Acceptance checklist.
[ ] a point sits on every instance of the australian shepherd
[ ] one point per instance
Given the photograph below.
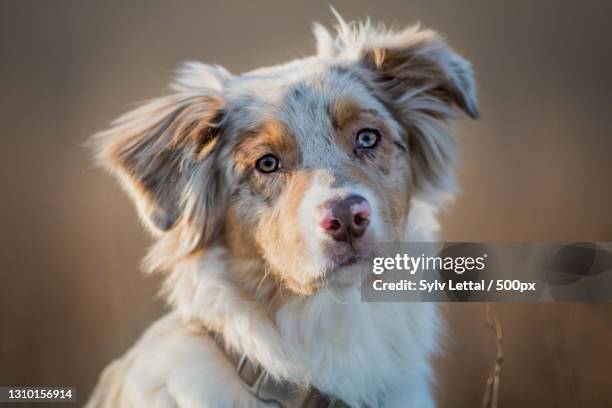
(265, 193)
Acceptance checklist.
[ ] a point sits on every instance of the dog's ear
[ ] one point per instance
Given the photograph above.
(158, 150)
(420, 79)
(417, 62)
(405, 62)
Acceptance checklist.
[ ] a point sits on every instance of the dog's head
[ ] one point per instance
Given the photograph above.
(302, 166)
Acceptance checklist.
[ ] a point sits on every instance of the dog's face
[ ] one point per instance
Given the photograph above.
(301, 166)
(320, 170)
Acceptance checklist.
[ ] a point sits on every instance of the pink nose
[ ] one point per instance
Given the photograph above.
(346, 219)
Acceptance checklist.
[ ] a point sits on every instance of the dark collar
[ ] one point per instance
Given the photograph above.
(283, 394)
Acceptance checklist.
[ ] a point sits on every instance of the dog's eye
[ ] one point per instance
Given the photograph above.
(367, 138)
(267, 164)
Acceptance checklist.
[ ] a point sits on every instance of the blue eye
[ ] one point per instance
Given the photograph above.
(267, 164)
(367, 138)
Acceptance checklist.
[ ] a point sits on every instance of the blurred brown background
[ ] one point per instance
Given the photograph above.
(536, 167)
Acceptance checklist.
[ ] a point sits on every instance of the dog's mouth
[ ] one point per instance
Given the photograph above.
(343, 270)
(345, 258)
(348, 260)
(341, 255)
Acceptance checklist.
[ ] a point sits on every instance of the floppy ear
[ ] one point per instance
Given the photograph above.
(420, 79)
(156, 151)
(418, 62)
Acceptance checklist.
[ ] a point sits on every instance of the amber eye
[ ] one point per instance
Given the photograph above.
(367, 138)
(267, 164)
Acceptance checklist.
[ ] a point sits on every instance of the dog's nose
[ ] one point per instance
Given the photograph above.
(346, 219)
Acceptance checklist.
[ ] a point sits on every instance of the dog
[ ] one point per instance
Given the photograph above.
(265, 193)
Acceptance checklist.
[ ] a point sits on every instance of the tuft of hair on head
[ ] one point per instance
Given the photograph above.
(194, 75)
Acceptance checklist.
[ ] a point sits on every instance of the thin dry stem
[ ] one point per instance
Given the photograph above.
(491, 396)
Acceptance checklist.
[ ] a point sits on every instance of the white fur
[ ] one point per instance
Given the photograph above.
(374, 354)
